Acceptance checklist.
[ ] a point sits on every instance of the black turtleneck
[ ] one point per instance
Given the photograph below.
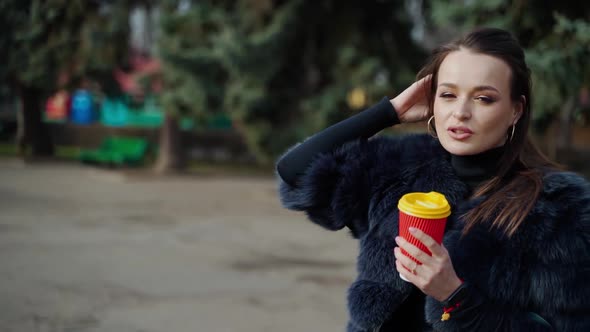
(475, 169)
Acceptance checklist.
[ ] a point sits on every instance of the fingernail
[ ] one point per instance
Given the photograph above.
(397, 239)
(412, 230)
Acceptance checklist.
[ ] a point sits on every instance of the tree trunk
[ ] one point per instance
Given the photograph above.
(170, 154)
(32, 132)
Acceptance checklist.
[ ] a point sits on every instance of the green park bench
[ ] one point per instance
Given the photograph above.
(117, 151)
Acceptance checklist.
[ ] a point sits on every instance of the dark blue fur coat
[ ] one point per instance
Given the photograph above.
(543, 268)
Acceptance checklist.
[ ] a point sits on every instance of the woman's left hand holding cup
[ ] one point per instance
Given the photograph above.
(436, 276)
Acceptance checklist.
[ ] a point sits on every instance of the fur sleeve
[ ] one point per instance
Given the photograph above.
(337, 187)
(334, 190)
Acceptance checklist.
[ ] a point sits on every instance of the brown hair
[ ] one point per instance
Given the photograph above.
(512, 193)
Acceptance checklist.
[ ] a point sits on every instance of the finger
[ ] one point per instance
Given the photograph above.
(405, 273)
(418, 90)
(424, 83)
(413, 251)
(427, 241)
(406, 261)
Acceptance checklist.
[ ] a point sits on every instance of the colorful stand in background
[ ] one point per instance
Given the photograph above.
(57, 107)
(117, 151)
(82, 108)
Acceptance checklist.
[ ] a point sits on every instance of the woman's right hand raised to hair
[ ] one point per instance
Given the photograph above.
(412, 104)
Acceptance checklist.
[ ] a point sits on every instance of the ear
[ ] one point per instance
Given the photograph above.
(518, 109)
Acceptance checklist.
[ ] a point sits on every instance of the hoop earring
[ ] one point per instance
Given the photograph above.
(429, 128)
(512, 135)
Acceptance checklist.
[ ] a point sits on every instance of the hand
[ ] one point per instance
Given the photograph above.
(436, 276)
(412, 105)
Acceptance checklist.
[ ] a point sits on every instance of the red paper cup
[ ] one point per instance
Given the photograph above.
(433, 227)
(425, 211)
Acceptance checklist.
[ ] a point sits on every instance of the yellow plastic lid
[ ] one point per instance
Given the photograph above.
(430, 205)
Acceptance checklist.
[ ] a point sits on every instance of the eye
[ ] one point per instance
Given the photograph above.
(446, 95)
(485, 99)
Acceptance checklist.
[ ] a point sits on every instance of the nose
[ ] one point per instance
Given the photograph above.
(463, 111)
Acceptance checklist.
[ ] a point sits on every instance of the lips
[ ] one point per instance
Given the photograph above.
(460, 133)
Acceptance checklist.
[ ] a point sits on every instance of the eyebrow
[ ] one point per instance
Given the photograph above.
(477, 88)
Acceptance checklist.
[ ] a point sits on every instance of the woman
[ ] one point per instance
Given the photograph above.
(516, 250)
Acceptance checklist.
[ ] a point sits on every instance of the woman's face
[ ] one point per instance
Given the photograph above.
(473, 110)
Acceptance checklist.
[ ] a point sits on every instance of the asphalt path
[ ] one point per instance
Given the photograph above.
(86, 249)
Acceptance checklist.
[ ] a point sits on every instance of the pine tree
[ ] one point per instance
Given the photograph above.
(301, 65)
(44, 48)
(284, 69)
(192, 76)
(36, 49)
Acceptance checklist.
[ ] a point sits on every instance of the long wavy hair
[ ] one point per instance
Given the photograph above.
(511, 193)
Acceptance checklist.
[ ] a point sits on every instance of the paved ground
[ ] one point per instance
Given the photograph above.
(83, 249)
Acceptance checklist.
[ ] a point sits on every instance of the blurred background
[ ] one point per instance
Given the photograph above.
(137, 143)
(239, 81)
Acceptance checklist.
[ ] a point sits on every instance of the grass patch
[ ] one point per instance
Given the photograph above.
(226, 168)
(70, 153)
(65, 152)
(8, 149)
